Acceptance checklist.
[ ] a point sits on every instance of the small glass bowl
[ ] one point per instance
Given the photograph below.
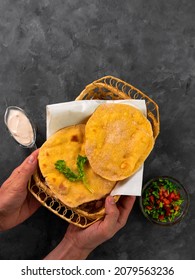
(32, 144)
(182, 208)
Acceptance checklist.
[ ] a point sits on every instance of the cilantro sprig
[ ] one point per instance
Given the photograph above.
(61, 166)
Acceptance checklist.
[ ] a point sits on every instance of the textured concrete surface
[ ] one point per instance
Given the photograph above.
(51, 49)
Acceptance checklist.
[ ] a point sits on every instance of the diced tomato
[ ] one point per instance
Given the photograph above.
(177, 196)
(161, 217)
(161, 191)
(149, 207)
(166, 194)
(172, 195)
(176, 207)
(168, 212)
(161, 198)
(151, 198)
(166, 201)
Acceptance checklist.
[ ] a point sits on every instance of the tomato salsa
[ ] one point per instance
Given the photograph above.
(162, 200)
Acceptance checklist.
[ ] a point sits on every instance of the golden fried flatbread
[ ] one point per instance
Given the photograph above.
(67, 144)
(118, 139)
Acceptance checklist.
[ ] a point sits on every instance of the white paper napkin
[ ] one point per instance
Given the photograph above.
(70, 113)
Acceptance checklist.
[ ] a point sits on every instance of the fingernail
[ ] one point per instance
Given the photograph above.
(111, 200)
(31, 159)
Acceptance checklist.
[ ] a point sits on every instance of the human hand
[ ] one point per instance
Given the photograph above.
(78, 243)
(16, 203)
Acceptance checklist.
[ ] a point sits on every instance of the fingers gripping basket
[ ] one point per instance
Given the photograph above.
(106, 88)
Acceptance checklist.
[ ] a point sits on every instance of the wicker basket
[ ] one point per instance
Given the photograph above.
(106, 88)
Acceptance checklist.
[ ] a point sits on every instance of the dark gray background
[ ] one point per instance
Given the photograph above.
(51, 49)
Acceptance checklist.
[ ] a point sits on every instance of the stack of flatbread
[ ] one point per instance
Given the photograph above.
(115, 141)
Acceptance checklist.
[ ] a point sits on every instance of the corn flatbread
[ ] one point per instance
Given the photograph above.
(118, 139)
(67, 144)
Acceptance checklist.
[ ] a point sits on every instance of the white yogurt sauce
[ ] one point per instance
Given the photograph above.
(20, 127)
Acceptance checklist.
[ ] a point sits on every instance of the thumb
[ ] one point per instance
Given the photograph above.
(23, 172)
(112, 214)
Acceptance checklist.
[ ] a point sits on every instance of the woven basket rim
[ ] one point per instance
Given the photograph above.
(49, 201)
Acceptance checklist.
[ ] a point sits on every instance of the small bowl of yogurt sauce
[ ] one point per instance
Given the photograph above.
(20, 127)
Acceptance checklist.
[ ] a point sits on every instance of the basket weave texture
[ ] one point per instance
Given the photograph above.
(106, 88)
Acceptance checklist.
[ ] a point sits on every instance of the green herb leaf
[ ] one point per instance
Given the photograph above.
(80, 165)
(61, 166)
